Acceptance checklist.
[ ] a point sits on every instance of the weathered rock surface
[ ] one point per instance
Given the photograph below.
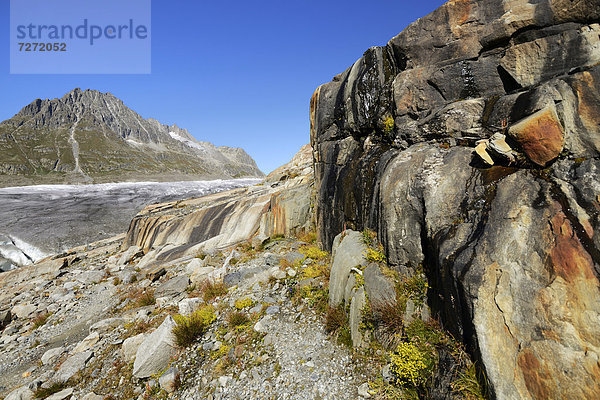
(169, 381)
(511, 252)
(279, 206)
(348, 252)
(131, 345)
(72, 366)
(154, 354)
(380, 290)
(22, 393)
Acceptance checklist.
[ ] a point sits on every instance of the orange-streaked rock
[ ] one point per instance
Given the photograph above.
(540, 135)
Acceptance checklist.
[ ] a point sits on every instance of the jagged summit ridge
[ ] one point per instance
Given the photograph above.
(94, 135)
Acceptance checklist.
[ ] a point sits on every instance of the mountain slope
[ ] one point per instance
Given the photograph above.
(89, 136)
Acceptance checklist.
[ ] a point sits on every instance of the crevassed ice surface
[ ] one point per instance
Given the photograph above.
(47, 219)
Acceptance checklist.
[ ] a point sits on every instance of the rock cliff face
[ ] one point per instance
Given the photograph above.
(507, 235)
(88, 136)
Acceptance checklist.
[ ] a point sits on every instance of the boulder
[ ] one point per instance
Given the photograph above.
(172, 287)
(188, 306)
(89, 277)
(380, 289)
(92, 396)
(87, 343)
(72, 366)
(355, 316)
(155, 352)
(348, 252)
(22, 393)
(5, 318)
(293, 257)
(201, 274)
(51, 355)
(131, 345)
(63, 394)
(169, 381)
(23, 311)
(156, 274)
(541, 135)
(130, 255)
(107, 325)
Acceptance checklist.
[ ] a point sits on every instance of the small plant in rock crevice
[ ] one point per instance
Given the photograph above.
(375, 255)
(388, 124)
(335, 319)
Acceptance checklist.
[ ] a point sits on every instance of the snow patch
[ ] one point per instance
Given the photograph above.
(187, 142)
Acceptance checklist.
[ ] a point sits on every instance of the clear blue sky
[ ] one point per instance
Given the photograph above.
(235, 73)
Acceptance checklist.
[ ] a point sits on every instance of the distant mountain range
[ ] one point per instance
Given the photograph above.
(92, 137)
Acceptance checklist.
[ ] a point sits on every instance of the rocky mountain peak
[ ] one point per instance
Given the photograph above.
(110, 137)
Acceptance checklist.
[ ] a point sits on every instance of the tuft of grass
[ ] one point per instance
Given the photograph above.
(307, 236)
(237, 319)
(388, 316)
(55, 387)
(41, 320)
(146, 298)
(188, 328)
(335, 319)
(210, 290)
(468, 385)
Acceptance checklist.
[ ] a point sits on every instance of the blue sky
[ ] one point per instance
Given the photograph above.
(235, 73)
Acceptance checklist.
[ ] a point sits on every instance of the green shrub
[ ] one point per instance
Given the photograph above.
(375, 255)
(388, 124)
(188, 328)
(314, 252)
(410, 365)
(315, 270)
(369, 237)
(240, 304)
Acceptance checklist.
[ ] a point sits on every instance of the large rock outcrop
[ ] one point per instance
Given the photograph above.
(281, 205)
(511, 251)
